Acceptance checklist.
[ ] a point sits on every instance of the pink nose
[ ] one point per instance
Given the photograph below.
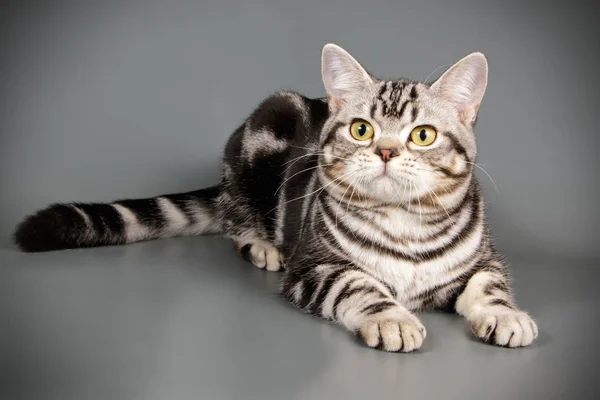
(386, 154)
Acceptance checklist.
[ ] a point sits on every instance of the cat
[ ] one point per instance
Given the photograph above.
(366, 199)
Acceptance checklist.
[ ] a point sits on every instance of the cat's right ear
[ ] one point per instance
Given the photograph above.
(343, 76)
(463, 85)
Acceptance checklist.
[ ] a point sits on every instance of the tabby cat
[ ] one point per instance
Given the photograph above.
(366, 199)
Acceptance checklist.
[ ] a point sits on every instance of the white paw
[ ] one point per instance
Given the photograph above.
(262, 254)
(504, 327)
(405, 333)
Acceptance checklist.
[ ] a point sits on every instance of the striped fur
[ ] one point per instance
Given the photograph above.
(366, 236)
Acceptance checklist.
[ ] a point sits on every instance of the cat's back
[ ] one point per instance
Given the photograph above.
(263, 161)
(283, 121)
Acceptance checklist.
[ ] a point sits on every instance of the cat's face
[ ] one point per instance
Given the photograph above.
(399, 141)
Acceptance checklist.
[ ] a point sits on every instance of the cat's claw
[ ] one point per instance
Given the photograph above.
(508, 328)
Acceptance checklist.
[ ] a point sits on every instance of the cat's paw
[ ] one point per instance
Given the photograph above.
(262, 255)
(504, 327)
(405, 333)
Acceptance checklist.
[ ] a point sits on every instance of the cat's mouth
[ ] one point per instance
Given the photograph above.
(393, 181)
(403, 176)
(386, 171)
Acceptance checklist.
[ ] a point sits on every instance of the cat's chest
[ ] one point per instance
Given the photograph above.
(413, 279)
(386, 246)
(409, 279)
(391, 264)
(402, 250)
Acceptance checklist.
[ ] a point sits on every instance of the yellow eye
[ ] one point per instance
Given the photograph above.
(361, 130)
(423, 135)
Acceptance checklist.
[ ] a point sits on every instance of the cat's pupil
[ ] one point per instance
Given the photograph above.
(362, 129)
(423, 134)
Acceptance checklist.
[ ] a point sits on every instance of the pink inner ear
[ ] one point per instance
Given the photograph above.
(334, 101)
(464, 85)
(468, 115)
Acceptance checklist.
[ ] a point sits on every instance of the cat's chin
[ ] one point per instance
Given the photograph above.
(390, 189)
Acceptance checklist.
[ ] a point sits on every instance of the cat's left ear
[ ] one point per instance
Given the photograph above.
(343, 76)
(464, 85)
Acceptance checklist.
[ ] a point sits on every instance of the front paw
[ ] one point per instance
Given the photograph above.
(404, 333)
(504, 327)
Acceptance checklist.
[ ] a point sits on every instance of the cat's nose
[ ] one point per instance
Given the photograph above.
(387, 153)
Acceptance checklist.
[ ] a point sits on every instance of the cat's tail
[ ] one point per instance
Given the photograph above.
(66, 226)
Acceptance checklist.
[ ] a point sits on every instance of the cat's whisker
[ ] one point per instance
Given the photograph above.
(403, 196)
(437, 224)
(409, 195)
(366, 197)
(340, 158)
(425, 152)
(293, 160)
(340, 203)
(305, 148)
(434, 71)
(440, 202)
(299, 172)
(360, 181)
(318, 151)
(352, 194)
(428, 170)
(313, 192)
(397, 192)
(394, 196)
(340, 181)
(414, 228)
(358, 192)
(420, 211)
(485, 172)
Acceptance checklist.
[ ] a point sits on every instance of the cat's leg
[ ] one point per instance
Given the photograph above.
(487, 304)
(356, 300)
(259, 252)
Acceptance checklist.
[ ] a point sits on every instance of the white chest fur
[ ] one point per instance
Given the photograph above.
(407, 277)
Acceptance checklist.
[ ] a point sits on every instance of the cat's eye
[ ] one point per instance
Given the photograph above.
(361, 130)
(423, 135)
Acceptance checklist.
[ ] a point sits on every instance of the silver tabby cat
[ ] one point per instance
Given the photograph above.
(367, 199)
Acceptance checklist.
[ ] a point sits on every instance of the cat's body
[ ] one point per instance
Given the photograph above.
(369, 220)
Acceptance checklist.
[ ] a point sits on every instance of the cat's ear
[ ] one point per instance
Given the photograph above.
(464, 85)
(343, 76)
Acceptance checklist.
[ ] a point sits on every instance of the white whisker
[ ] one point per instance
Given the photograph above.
(299, 172)
(485, 172)
(441, 204)
(420, 211)
(433, 72)
(360, 179)
(293, 160)
(313, 192)
(304, 148)
(340, 203)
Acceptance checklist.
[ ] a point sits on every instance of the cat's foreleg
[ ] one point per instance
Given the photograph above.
(358, 301)
(488, 306)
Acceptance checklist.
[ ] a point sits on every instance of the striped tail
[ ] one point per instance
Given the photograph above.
(67, 226)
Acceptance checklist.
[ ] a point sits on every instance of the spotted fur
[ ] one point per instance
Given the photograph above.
(368, 231)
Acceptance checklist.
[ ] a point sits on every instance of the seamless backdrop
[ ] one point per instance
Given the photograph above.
(124, 98)
(128, 98)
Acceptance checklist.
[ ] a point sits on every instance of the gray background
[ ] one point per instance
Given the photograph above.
(112, 99)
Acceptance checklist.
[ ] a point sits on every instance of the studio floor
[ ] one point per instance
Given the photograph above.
(187, 318)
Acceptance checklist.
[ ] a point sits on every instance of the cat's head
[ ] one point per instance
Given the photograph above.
(398, 141)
